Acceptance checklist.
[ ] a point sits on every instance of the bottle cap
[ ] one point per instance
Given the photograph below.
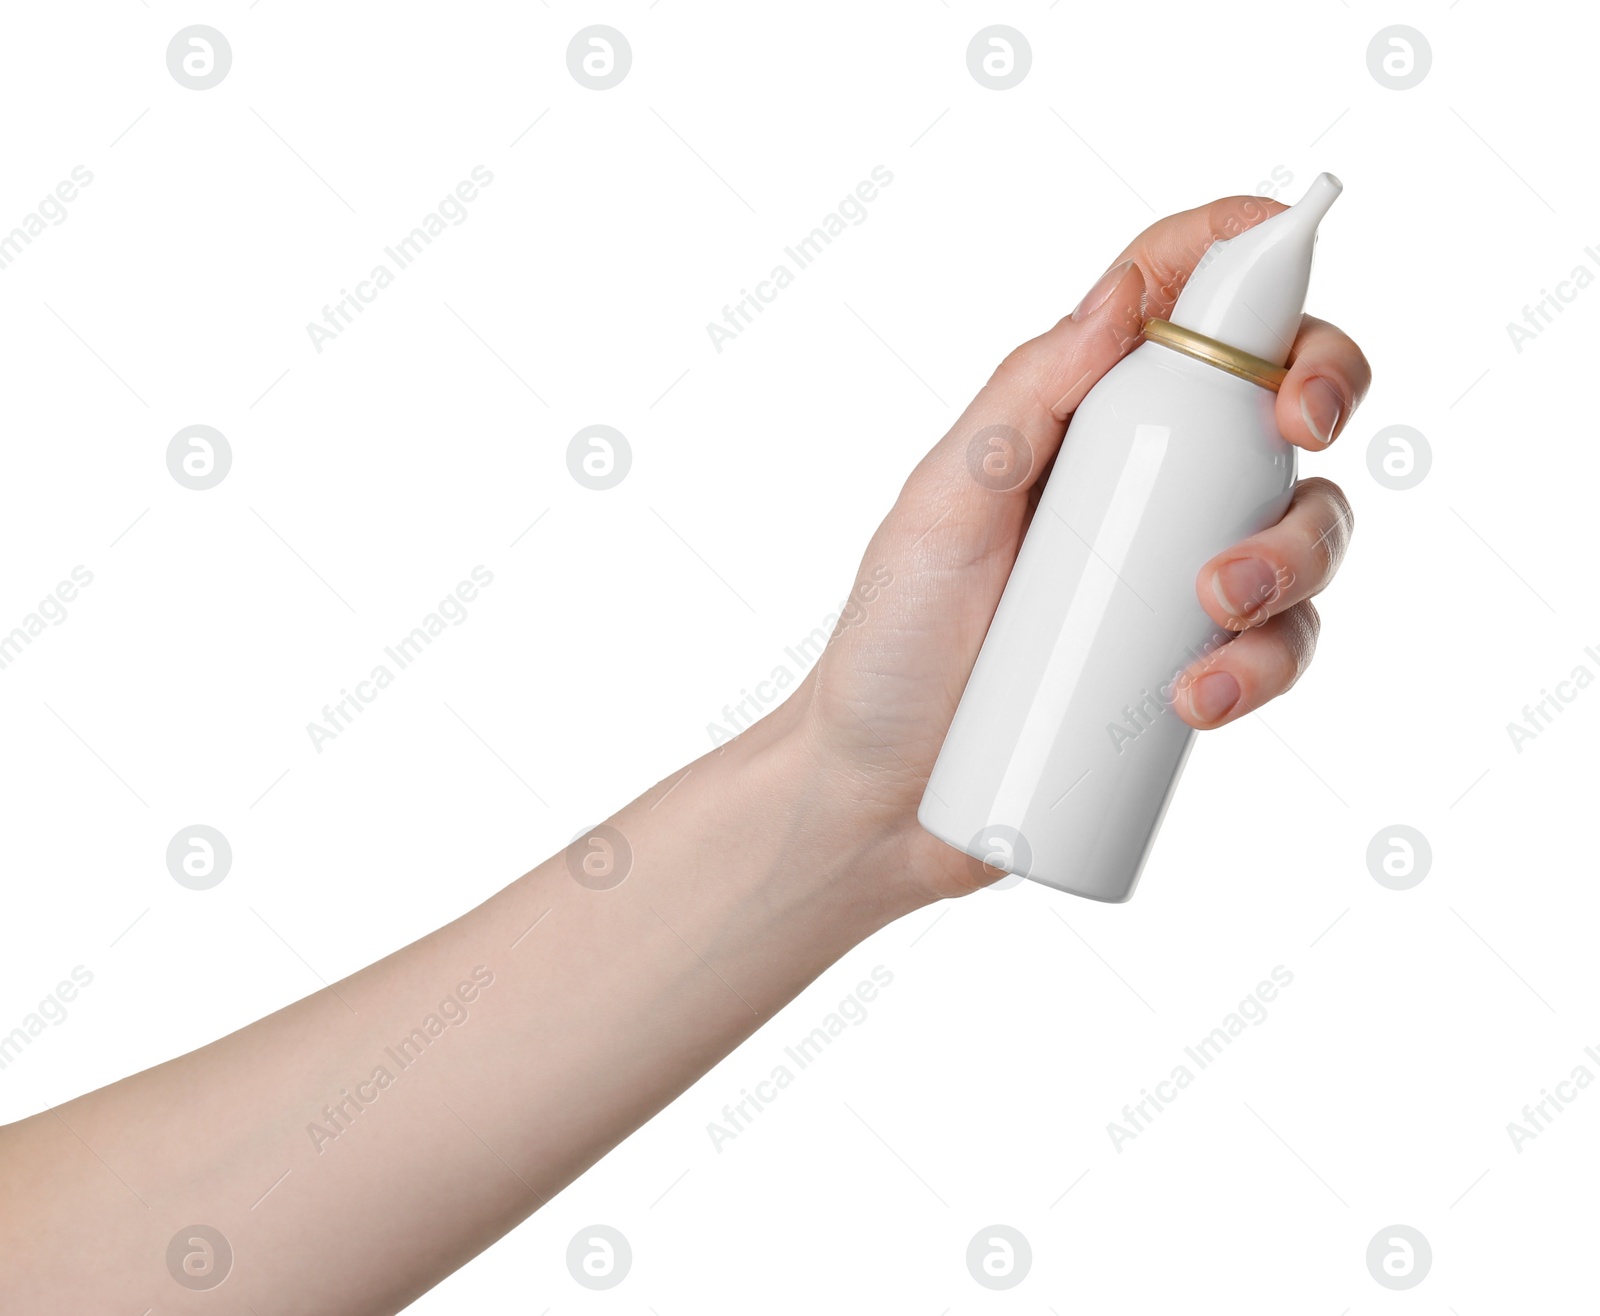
(1249, 291)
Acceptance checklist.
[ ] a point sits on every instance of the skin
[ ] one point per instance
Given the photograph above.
(582, 1011)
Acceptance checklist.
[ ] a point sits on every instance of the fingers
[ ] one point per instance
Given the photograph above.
(1009, 433)
(1243, 675)
(1271, 573)
(1328, 377)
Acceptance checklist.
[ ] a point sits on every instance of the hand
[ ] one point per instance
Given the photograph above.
(874, 711)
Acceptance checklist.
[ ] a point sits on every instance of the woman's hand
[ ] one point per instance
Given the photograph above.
(727, 888)
(875, 710)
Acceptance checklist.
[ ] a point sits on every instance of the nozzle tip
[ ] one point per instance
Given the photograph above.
(1322, 193)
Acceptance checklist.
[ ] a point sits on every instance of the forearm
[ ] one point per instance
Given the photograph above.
(397, 1154)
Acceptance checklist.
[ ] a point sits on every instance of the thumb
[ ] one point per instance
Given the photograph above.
(1003, 442)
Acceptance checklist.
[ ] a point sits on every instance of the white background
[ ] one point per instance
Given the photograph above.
(369, 479)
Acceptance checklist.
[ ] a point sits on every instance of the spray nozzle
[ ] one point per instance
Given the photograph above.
(1249, 291)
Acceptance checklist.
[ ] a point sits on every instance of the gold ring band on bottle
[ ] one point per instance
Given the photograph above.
(1209, 350)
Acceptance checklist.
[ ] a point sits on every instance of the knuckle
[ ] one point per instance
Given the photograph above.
(1286, 650)
(1302, 628)
(1360, 377)
(1323, 536)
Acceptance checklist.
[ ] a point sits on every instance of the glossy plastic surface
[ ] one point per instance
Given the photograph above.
(1064, 751)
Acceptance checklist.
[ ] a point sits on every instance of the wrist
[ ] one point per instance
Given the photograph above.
(828, 834)
(755, 864)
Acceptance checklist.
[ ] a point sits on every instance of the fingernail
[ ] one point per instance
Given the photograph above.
(1212, 696)
(1321, 406)
(1095, 298)
(1242, 587)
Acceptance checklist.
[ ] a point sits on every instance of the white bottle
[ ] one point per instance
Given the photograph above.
(1065, 751)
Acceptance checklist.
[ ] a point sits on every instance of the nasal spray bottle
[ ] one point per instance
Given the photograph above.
(1065, 749)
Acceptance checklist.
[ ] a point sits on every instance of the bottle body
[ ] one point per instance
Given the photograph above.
(1064, 751)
